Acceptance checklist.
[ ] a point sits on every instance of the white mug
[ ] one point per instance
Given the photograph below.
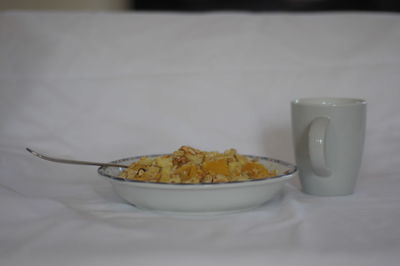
(328, 137)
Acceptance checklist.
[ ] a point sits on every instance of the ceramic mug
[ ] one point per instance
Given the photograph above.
(328, 137)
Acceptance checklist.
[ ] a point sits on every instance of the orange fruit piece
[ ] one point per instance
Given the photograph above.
(219, 166)
(255, 170)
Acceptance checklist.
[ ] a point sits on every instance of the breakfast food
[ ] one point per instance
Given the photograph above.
(192, 166)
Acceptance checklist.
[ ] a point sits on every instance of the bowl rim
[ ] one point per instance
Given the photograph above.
(286, 175)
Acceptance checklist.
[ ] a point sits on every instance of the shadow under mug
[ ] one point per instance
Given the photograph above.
(328, 137)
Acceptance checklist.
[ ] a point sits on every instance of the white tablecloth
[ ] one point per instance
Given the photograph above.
(98, 86)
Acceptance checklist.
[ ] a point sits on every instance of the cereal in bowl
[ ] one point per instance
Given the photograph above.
(192, 166)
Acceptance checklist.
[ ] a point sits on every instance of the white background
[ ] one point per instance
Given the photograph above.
(98, 86)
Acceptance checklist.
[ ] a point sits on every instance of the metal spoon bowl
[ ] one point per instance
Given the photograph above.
(61, 160)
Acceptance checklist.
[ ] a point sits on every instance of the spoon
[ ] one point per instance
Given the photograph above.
(60, 160)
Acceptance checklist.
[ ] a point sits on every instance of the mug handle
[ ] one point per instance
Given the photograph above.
(316, 146)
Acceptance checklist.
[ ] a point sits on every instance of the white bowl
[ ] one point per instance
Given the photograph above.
(200, 198)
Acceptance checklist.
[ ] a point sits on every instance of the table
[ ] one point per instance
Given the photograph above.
(103, 86)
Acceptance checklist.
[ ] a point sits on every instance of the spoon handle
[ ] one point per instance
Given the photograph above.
(60, 160)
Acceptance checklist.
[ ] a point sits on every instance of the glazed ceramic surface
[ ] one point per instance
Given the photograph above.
(200, 198)
(328, 137)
